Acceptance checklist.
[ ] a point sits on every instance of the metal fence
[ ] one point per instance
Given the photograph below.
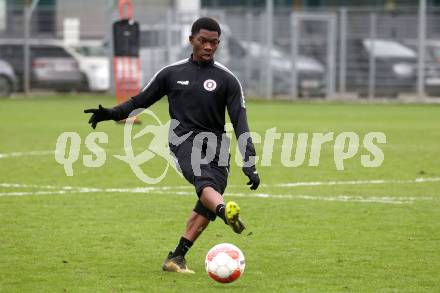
(277, 53)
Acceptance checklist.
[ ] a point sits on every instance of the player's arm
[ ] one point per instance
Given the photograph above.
(237, 114)
(153, 92)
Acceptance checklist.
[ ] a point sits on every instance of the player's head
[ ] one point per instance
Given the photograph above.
(205, 37)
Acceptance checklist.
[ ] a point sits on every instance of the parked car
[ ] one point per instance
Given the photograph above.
(310, 71)
(432, 75)
(93, 63)
(395, 63)
(432, 65)
(52, 67)
(246, 60)
(8, 79)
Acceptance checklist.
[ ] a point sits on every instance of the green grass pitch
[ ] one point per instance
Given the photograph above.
(367, 236)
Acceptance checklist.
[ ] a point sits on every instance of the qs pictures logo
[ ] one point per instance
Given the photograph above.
(292, 148)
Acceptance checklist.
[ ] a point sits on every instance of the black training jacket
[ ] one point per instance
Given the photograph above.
(198, 96)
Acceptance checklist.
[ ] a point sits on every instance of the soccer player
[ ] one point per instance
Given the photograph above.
(200, 91)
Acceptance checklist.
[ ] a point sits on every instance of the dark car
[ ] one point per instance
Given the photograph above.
(395, 73)
(8, 80)
(52, 67)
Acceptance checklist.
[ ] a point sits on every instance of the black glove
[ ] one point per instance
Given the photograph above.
(100, 114)
(252, 174)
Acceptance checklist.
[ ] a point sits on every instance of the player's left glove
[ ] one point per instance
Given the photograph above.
(252, 174)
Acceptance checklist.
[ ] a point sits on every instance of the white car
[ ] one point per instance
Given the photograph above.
(8, 79)
(94, 64)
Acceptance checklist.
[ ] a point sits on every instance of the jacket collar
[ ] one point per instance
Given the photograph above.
(201, 63)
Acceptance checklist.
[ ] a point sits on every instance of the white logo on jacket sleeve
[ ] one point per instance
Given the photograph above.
(209, 85)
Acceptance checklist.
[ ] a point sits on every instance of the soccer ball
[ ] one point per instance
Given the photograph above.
(224, 263)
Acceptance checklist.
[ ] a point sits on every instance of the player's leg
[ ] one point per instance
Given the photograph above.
(210, 185)
(175, 262)
(210, 198)
(195, 225)
(197, 221)
(230, 213)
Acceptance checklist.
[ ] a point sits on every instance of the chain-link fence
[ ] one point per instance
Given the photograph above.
(284, 53)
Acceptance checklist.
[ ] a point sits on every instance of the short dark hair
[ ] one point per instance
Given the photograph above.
(206, 23)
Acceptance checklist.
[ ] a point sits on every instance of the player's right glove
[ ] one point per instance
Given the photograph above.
(100, 114)
(252, 174)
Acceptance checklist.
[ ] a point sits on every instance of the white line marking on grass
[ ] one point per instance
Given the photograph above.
(339, 198)
(21, 154)
(34, 193)
(18, 185)
(47, 152)
(357, 182)
(95, 189)
(291, 184)
(343, 198)
(177, 190)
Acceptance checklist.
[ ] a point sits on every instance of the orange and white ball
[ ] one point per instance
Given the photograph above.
(225, 263)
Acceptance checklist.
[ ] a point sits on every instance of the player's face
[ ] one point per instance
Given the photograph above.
(204, 44)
